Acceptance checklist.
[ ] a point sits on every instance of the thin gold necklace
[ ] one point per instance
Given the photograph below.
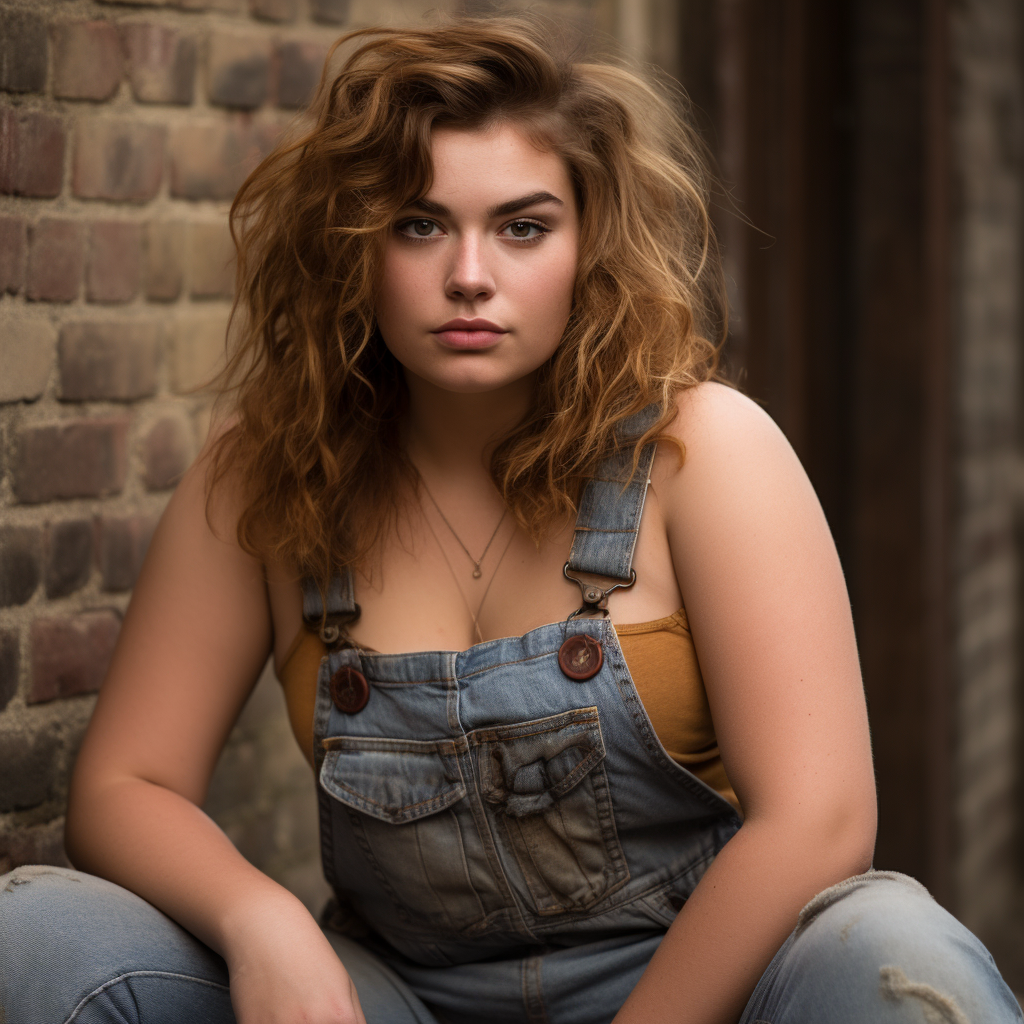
(477, 571)
(458, 585)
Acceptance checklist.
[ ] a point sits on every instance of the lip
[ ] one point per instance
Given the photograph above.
(469, 335)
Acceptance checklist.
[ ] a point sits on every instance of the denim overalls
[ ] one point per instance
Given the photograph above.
(503, 802)
(508, 842)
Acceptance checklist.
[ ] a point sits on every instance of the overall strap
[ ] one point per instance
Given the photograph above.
(611, 507)
(341, 606)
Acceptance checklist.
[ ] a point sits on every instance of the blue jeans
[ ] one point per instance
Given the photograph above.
(875, 948)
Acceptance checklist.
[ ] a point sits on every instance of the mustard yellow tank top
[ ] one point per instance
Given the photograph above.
(661, 660)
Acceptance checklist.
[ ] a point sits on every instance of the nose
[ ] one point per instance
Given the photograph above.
(469, 276)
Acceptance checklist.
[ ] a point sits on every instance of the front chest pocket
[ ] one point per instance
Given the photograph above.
(402, 802)
(546, 790)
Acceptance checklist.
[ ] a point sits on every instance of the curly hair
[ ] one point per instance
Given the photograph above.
(319, 399)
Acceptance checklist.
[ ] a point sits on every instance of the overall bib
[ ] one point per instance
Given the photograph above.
(511, 801)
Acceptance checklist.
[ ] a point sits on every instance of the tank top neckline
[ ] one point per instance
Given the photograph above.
(625, 628)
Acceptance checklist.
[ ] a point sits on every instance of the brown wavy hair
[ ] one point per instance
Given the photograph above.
(319, 399)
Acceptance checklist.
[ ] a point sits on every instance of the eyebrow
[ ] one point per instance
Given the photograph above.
(501, 210)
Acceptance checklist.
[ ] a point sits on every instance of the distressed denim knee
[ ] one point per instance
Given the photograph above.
(877, 947)
(74, 947)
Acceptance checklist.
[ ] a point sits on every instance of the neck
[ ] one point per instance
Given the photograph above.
(454, 434)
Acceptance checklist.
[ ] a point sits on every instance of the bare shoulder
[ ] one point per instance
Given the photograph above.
(730, 446)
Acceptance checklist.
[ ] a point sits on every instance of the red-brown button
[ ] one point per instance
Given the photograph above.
(580, 657)
(349, 690)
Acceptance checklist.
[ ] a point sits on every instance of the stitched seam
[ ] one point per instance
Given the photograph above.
(139, 974)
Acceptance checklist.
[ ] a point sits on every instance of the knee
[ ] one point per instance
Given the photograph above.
(884, 933)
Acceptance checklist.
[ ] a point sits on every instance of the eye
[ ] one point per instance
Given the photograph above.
(525, 230)
(421, 227)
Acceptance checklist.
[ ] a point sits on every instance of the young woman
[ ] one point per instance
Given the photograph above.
(478, 468)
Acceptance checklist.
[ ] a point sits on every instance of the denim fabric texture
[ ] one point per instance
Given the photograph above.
(505, 843)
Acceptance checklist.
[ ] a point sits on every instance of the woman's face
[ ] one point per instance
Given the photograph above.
(478, 275)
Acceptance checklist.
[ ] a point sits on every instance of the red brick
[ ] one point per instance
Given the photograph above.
(20, 563)
(87, 60)
(73, 459)
(56, 259)
(332, 12)
(274, 10)
(31, 154)
(211, 261)
(165, 252)
(210, 161)
(166, 453)
(13, 246)
(298, 71)
(10, 665)
(123, 545)
(161, 63)
(108, 360)
(68, 557)
(23, 52)
(118, 159)
(115, 261)
(28, 766)
(27, 346)
(71, 655)
(239, 70)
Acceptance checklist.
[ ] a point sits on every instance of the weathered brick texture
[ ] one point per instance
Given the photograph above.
(26, 356)
(76, 459)
(239, 70)
(298, 72)
(198, 349)
(166, 452)
(69, 559)
(31, 153)
(115, 261)
(56, 260)
(87, 60)
(109, 360)
(275, 10)
(13, 246)
(20, 563)
(332, 12)
(23, 51)
(122, 547)
(71, 654)
(126, 128)
(165, 253)
(211, 261)
(28, 766)
(161, 63)
(210, 160)
(10, 664)
(118, 159)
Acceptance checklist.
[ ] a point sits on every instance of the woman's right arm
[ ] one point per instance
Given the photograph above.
(194, 639)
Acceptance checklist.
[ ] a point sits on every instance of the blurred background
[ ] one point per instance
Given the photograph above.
(872, 218)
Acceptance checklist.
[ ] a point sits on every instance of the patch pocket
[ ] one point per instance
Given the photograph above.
(545, 785)
(401, 802)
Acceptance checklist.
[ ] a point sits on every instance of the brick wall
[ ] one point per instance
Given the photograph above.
(125, 129)
(988, 272)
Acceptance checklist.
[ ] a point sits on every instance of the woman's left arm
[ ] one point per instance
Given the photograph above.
(768, 608)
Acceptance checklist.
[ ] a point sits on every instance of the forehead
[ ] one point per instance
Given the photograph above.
(494, 163)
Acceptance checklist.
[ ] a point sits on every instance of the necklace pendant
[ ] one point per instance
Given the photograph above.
(477, 572)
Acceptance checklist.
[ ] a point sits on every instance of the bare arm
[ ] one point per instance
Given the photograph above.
(767, 604)
(195, 637)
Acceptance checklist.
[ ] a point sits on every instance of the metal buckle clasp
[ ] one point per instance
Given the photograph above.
(595, 598)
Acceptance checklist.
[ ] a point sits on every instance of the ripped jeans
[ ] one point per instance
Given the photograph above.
(875, 949)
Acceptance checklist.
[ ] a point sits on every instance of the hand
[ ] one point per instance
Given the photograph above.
(284, 971)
